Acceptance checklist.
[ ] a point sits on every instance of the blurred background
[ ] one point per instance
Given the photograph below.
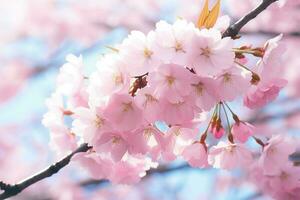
(35, 37)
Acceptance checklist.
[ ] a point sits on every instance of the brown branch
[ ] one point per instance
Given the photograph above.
(12, 190)
(235, 28)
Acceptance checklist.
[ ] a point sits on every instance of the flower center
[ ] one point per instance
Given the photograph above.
(177, 131)
(205, 52)
(227, 77)
(127, 106)
(148, 133)
(198, 88)
(178, 47)
(99, 121)
(170, 80)
(284, 176)
(147, 53)
(116, 140)
(118, 79)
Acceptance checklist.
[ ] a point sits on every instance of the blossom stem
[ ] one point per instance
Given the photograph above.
(258, 141)
(204, 135)
(244, 67)
(230, 136)
(243, 51)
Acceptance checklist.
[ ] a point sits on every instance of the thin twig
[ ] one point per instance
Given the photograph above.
(235, 28)
(12, 190)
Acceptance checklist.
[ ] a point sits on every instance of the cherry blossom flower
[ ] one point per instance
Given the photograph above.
(276, 154)
(138, 52)
(113, 143)
(218, 132)
(70, 77)
(122, 111)
(174, 40)
(149, 102)
(171, 82)
(242, 131)
(177, 113)
(114, 78)
(89, 123)
(62, 140)
(196, 155)
(204, 92)
(97, 166)
(210, 54)
(232, 83)
(269, 69)
(229, 156)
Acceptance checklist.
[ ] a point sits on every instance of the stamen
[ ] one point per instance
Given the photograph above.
(206, 52)
(127, 106)
(170, 80)
(147, 53)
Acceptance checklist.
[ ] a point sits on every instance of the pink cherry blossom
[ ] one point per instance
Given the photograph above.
(61, 138)
(242, 131)
(112, 143)
(269, 69)
(287, 179)
(131, 169)
(174, 40)
(218, 132)
(173, 142)
(70, 77)
(89, 123)
(122, 111)
(97, 167)
(139, 54)
(196, 155)
(232, 83)
(171, 82)
(181, 112)
(149, 102)
(204, 92)
(276, 154)
(112, 72)
(229, 156)
(210, 54)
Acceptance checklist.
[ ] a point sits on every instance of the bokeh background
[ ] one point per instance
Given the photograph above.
(35, 37)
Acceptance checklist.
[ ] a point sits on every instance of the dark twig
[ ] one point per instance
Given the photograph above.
(12, 190)
(235, 28)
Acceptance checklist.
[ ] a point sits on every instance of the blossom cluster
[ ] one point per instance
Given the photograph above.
(146, 100)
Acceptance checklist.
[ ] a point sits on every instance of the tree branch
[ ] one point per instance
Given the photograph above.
(235, 28)
(12, 190)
